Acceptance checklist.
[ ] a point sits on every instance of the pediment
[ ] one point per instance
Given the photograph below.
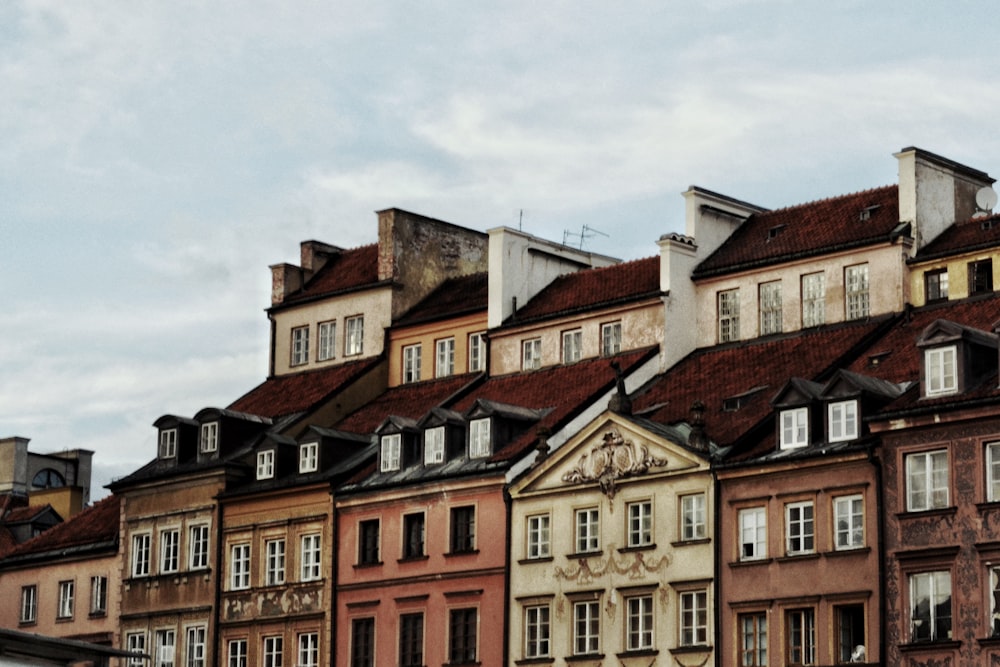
(797, 392)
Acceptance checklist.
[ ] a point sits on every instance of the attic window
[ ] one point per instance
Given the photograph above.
(308, 457)
(265, 464)
(434, 445)
(866, 213)
(986, 224)
(479, 438)
(734, 403)
(875, 359)
(209, 437)
(794, 428)
(168, 443)
(774, 231)
(842, 420)
(940, 370)
(390, 452)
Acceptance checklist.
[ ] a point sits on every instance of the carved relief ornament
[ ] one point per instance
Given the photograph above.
(613, 459)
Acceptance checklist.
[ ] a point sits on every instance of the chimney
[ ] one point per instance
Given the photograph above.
(697, 438)
(314, 255)
(620, 402)
(285, 279)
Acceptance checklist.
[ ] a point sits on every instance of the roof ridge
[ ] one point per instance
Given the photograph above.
(826, 200)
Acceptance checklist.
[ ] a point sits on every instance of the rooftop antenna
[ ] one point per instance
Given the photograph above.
(586, 232)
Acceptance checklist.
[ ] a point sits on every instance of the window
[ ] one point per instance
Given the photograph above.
(729, 315)
(801, 637)
(694, 618)
(588, 530)
(538, 537)
(981, 276)
(413, 535)
(170, 547)
(856, 291)
(368, 544)
(693, 522)
(209, 437)
(434, 445)
(310, 554)
(274, 553)
(239, 567)
(930, 606)
(308, 457)
(479, 438)
(140, 555)
(611, 338)
(936, 285)
(444, 364)
(196, 646)
(794, 428)
(849, 520)
(843, 420)
(813, 299)
(462, 636)
(300, 346)
(799, 537)
(265, 464)
(411, 363)
(572, 346)
(327, 341)
(850, 620)
(640, 524)
(237, 653)
(940, 371)
(993, 472)
(168, 443)
(98, 596)
(753, 640)
(363, 642)
(198, 547)
(536, 631)
(927, 481)
(477, 352)
(463, 529)
(639, 623)
(353, 343)
(273, 649)
(163, 650)
(389, 459)
(994, 596)
(770, 308)
(47, 478)
(753, 533)
(135, 642)
(29, 604)
(411, 640)
(308, 649)
(586, 628)
(531, 357)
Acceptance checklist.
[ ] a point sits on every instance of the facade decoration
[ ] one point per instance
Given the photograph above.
(613, 459)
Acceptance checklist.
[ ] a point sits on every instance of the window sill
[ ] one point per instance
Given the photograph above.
(98, 614)
(580, 555)
(366, 566)
(637, 653)
(541, 559)
(797, 557)
(694, 648)
(854, 551)
(584, 657)
(413, 559)
(988, 506)
(946, 644)
(470, 552)
(535, 661)
(641, 547)
(64, 619)
(750, 562)
(992, 642)
(27, 624)
(923, 514)
(692, 543)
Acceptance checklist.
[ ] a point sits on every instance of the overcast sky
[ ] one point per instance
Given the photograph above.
(156, 157)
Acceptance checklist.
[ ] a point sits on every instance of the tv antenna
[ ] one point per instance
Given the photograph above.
(586, 232)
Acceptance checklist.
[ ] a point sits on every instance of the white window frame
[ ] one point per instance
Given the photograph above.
(588, 529)
(265, 464)
(274, 562)
(434, 445)
(195, 648)
(239, 567)
(537, 631)
(753, 533)
(572, 346)
(67, 599)
(694, 524)
(327, 348)
(639, 623)
(611, 338)
(390, 446)
(794, 427)
(856, 296)
(165, 647)
(531, 354)
(310, 557)
(308, 457)
(937, 585)
(274, 647)
(170, 550)
(813, 299)
(135, 642)
(141, 545)
(308, 649)
(849, 522)
(927, 485)
(29, 604)
(771, 314)
(168, 443)
(640, 523)
(480, 440)
(586, 627)
(411, 363)
(444, 357)
(539, 535)
(209, 440)
(354, 340)
(237, 653)
(300, 346)
(800, 528)
(993, 472)
(477, 352)
(198, 546)
(693, 620)
(842, 420)
(728, 315)
(941, 370)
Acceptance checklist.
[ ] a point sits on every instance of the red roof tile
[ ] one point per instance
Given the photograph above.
(348, 270)
(808, 229)
(24, 514)
(287, 394)
(593, 288)
(409, 400)
(95, 524)
(455, 296)
(713, 375)
(7, 541)
(965, 237)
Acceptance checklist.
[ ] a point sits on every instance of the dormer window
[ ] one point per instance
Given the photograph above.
(411, 363)
(941, 371)
(479, 438)
(308, 457)
(209, 437)
(794, 428)
(434, 445)
(389, 458)
(842, 420)
(168, 443)
(265, 464)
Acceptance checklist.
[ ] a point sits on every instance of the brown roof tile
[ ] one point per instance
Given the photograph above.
(965, 237)
(808, 229)
(95, 524)
(455, 296)
(24, 514)
(408, 400)
(348, 270)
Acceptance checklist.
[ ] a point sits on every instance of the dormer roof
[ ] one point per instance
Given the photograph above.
(440, 416)
(846, 384)
(796, 392)
(396, 424)
(483, 407)
(942, 331)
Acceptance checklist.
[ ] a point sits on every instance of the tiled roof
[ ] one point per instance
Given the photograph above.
(288, 394)
(750, 374)
(965, 237)
(25, 514)
(345, 271)
(593, 288)
(807, 230)
(7, 541)
(408, 400)
(455, 296)
(97, 524)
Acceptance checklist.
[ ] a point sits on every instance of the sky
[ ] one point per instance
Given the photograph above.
(157, 157)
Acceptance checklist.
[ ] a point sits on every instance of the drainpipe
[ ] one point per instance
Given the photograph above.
(717, 558)
(334, 544)
(270, 356)
(216, 631)
(882, 642)
(507, 501)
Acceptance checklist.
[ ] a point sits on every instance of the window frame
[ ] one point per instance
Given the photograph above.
(98, 595)
(992, 455)
(800, 642)
(275, 558)
(693, 617)
(310, 557)
(572, 346)
(412, 355)
(29, 604)
(852, 536)
(800, 530)
(843, 419)
(586, 628)
(477, 351)
(640, 622)
(434, 445)
(141, 554)
(414, 540)
(537, 631)
(369, 542)
(66, 602)
(326, 348)
(813, 291)
(941, 370)
(531, 354)
(639, 524)
(196, 638)
(759, 523)
(390, 451)
(857, 297)
(462, 529)
(265, 464)
(239, 566)
(587, 530)
(727, 315)
(538, 536)
(362, 651)
(208, 440)
(236, 653)
(694, 519)
(411, 639)
(463, 635)
(934, 580)
(198, 546)
(929, 487)
(170, 550)
(794, 427)
(135, 642)
(444, 357)
(164, 652)
(611, 338)
(299, 347)
(308, 653)
(935, 285)
(354, 335)
(308, 457)
(980, 276)
(771, 315)
(168, 443)
(480, 438)
(273, 651)
(754, 655)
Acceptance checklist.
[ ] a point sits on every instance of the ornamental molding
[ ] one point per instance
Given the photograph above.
(613, 459)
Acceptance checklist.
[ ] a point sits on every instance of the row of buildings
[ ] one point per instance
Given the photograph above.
(775, 442)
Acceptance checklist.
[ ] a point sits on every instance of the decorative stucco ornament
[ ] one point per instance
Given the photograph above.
(610, 461)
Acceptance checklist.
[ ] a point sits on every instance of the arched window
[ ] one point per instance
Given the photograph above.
(48, 479)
